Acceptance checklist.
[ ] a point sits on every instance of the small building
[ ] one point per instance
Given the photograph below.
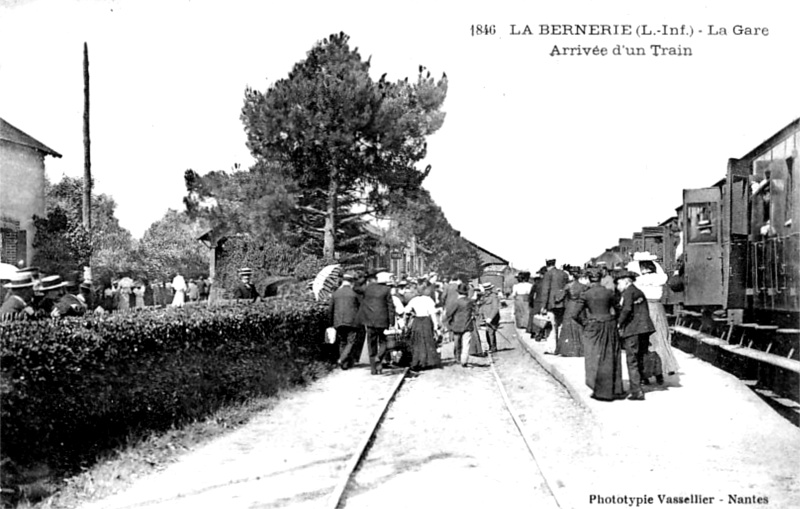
(494, 269)
(22, 193)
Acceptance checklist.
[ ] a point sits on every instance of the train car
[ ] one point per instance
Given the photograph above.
(741, 236)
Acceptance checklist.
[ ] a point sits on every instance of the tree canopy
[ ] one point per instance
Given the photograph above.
(343, 138)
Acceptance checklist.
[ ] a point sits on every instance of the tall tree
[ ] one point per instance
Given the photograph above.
(342, 137)
(170, 246)
(419, 216)
(111, 248)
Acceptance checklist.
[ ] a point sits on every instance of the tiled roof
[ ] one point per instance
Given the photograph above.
(11, 134)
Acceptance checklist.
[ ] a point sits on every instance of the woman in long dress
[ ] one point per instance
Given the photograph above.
(423, 338)
(520, 293)
(179, 287)
(651, 282)
(570, 343)
(601, 345)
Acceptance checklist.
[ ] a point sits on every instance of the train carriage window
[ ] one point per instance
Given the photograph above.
(701, 220)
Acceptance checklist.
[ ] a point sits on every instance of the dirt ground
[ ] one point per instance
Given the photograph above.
(448, 441)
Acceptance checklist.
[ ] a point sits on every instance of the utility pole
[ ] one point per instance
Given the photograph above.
(87, 160)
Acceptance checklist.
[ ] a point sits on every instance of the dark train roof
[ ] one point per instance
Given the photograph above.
(769, 142)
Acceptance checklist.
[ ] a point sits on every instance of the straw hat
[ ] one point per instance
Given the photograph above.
(20, 280)
(52, 283)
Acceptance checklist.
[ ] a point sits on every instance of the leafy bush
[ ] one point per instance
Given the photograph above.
(270, 260)
(75, 387)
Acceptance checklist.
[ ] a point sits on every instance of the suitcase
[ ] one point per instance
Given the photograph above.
(652, 365)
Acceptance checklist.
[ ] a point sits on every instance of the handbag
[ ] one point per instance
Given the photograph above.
(330, 335)
(540, 320)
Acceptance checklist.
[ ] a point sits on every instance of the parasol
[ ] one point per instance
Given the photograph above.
(7, 271)
(326, 281)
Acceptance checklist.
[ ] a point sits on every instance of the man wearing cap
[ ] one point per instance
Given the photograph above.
(53, 289)
(376, 313)
(17, 305)
(490, 310)
(553, 283)
(245, 289)
(67, 303)
(344, 317)
(635, 327)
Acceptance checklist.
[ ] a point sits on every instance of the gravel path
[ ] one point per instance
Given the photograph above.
(448, 441)
(291, 456)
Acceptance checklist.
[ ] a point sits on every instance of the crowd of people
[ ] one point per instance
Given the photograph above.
(597, 313)
(405, 321)
(27, 294)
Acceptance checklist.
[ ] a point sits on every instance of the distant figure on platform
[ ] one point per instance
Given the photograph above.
(520, 293)
(245, 289)
(535, 305)
(490, 311)
(635, 328)
(570, 342)
(553, 283)
(344, 317)
(377, 314)
(601, 347)
(179, 287)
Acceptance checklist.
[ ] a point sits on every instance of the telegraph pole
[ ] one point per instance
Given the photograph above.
(87, 160)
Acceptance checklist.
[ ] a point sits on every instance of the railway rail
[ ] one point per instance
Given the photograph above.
(338, 497)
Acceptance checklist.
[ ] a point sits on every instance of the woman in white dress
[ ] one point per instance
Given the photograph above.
(179, 287)
(651, 282)
(424, 354)
(519, 293)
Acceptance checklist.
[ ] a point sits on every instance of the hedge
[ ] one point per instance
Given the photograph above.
(74, 387)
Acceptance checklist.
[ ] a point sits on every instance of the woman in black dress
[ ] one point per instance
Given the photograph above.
(601, 346)
(570, 343)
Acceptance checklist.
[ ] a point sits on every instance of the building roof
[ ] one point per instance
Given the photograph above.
(487, 257)
(13, 135)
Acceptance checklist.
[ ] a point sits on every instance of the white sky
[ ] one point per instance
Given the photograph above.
(539, 156)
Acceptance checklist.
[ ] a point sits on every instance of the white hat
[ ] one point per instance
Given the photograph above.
(384, 277)
(643, 256)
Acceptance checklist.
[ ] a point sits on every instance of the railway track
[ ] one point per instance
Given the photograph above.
(368, 446)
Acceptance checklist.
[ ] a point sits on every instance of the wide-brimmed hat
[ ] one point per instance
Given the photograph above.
(349, 276)
(52, 283)
(644, 256)
(487, 287)
(384, 277)
(463, 289)
(623, 274)
(33, 271)
(550, 262)
(245, 271)
(21, 280)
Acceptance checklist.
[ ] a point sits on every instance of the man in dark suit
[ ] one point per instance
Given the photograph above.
(460, 319)
(635, 327)
(245, 289)
(490, 310)
(553, 284)
(344, 316)
(377, 314)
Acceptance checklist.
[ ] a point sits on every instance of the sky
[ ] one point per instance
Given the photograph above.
(541, 155)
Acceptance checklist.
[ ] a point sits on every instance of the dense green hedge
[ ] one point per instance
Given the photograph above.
(74, 387)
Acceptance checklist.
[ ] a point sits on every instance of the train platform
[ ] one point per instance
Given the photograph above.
(703, 434)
